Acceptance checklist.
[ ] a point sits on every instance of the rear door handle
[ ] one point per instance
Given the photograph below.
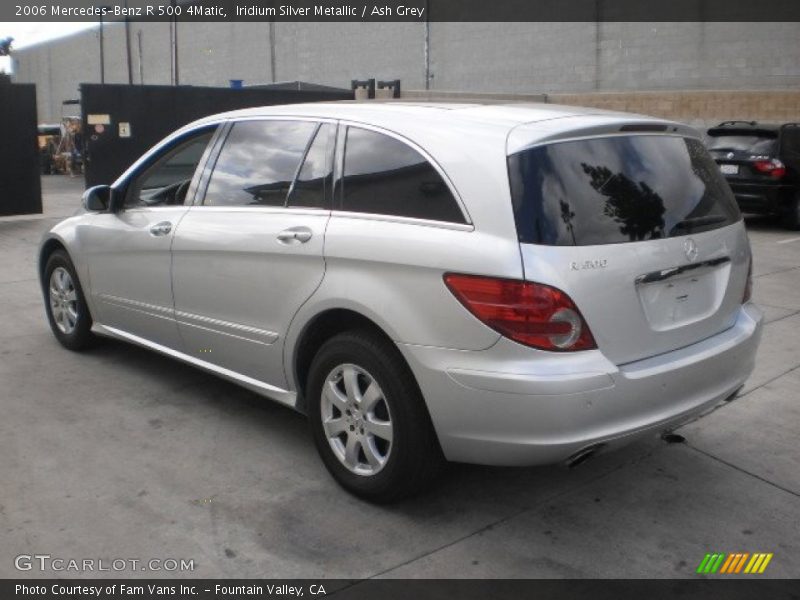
(160, 229)
(295, 235)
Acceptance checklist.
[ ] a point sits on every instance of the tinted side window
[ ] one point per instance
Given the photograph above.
(383, 175)
(313, 182)
(167, 180)
(258, 163)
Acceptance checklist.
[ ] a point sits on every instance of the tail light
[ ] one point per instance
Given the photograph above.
(748, 286)
(532, 314)
(772, 167)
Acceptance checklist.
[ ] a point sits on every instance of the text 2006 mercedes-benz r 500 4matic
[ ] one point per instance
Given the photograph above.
(501, 285)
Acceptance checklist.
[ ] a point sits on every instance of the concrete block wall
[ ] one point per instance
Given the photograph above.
(508, 58)
(657, 56)
(519, 58)
(335, 54)
(699, 108)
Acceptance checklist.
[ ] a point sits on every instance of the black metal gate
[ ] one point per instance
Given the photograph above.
(20, 186)
(121, 122)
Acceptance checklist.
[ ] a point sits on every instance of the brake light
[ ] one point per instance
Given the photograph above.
(748, 286)
(530, 313)
(772, 167)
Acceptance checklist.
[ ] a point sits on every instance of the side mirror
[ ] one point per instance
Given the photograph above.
(97, 198)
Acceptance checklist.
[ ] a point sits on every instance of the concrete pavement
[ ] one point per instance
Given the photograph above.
(121, 453)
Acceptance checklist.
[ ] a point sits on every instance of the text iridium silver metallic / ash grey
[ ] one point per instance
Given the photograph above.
(503, 285)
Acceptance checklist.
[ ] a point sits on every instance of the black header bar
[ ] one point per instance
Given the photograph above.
(733, 588)
(403, 10)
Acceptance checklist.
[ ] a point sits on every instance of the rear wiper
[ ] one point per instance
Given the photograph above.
(691, 223)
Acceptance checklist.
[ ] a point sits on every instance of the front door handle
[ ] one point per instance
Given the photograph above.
(295, 234)
(160, 229)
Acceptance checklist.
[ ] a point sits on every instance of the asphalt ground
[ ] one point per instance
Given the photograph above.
(122, 453)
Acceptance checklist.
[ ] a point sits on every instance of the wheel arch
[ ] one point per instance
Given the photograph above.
(50, 245)
(54, 242)
(319, 329)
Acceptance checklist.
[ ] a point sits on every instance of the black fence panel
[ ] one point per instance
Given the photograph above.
(121, 122)
(20, 186)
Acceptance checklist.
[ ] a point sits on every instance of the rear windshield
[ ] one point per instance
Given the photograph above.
(761, 143)
(617, 189)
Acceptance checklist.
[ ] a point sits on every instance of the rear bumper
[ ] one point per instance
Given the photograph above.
(511, 405)
(761, 197)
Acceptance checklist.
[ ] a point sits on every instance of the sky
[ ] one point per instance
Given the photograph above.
(26, 34)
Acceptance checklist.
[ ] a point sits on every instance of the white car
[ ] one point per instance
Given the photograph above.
(504, 285)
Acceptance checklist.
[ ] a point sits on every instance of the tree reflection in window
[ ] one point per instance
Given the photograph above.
(635, 206)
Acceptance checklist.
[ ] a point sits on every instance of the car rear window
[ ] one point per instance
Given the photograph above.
(617, 189)
(727, 140)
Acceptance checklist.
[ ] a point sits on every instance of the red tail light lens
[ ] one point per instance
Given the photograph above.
(772, 167)
(748, 287)
(529, 313)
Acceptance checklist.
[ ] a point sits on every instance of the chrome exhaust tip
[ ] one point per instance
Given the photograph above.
(582, 455)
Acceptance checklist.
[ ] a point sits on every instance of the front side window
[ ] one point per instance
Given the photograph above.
(258, 163)
(385, 176)
(166, 181)
(617, 189)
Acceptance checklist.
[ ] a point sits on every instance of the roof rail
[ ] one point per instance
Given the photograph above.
(753, 123)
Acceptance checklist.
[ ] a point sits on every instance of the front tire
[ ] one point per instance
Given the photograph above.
(65, 303)
(368, 419)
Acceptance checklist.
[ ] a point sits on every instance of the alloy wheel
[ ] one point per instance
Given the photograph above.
(356, 419)
(63, 300)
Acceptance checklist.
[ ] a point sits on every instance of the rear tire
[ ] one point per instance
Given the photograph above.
(369, 420)
(65, 304)
(791, 218)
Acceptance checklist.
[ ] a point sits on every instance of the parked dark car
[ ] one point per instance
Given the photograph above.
(762, 165)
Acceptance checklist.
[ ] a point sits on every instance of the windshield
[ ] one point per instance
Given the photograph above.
(617, 189)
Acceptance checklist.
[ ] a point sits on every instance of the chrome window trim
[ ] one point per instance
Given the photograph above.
(403, 220)
(249, 208)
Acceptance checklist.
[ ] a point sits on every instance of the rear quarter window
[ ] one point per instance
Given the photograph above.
(383, 175)
(617, 189)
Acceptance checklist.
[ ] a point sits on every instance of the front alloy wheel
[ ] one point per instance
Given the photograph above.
(63, 300)
(65, 304)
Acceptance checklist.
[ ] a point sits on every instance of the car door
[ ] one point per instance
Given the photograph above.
(128, 251)
(249, 253)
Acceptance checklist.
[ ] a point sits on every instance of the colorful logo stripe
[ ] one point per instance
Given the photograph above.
(734, 563)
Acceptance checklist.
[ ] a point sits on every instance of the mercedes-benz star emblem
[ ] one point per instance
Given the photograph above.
(690, 249)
